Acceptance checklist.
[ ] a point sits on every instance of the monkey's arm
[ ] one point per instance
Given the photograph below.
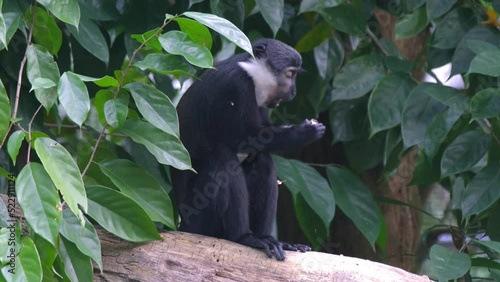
(275, 138)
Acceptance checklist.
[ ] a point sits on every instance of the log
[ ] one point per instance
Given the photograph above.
(190, 257)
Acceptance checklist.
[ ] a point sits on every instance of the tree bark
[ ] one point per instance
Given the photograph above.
(190, 257)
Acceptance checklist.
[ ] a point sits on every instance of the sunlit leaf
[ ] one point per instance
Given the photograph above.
(46, 32)
(41, 64)
(167, 148)
(67, 11)
(196, 31)
(116, 112)
(224, 28)
(178, 43)
(64, 172)
(74, 97)
(155, 106)
(40, 201)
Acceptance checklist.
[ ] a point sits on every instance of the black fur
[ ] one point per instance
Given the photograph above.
(219, 117)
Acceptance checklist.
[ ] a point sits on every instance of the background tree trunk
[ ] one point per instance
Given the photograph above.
(403, 223)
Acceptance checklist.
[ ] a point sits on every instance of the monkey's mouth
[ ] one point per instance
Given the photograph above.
(275, 103)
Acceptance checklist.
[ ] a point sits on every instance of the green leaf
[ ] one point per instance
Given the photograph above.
(4, 217)
(196, 31)
(492, 245)
(302, 178)
(105, 81)
(14, 144)
(478, 46)
(418, 111)
(452, 28)
(28, 266)
(364, 154)
(155, 106)
(46, 32)
(438, 129)
(448, 264)
(451, 97)
(314, 37)
(348, 18)
(101, 97)
(5, 112)
(412, 24)
(67, 11)
(493, 226)
(395, 64)
(310, 222)
(167, 148)
(485, 63)
(3, 27)
(141, 187)
(150, 37)
(224, 28)
(485, 104)
(348, 120)
(463, 54)
(355, 201)
(120, 215)
(437, 8)
(77, 266)
(11, 17)
(272, 12)
(91, 38)
(464, 152)
(317, 5)
(74, 97)
(329, 57)
(64, 172)
(116, 112)
(385, 105)
(358, 77)
(86, 240)
(41, 64)
(40, 201)
(178, 43)
(166, 64)
(482, 191)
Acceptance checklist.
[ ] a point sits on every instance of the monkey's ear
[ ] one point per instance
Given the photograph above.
(259, 50)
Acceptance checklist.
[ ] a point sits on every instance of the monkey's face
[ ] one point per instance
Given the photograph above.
(286, 88)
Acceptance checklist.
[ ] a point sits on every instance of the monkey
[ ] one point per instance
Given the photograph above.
(225, 126)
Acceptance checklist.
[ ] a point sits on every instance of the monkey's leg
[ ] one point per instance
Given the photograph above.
(262, 183)
(217, 204)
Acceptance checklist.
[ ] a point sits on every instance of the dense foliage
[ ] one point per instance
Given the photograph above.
(88, 121)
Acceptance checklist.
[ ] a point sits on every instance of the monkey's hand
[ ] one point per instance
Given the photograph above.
(311, 130)
(267, 243)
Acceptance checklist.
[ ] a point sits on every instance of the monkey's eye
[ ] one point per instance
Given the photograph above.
(289, 73)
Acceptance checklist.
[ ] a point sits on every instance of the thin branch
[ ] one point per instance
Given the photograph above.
(376, 41)
(118, 88)
(20, 75)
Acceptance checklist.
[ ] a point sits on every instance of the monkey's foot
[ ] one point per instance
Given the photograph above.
(267, 243)
(295, 247)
